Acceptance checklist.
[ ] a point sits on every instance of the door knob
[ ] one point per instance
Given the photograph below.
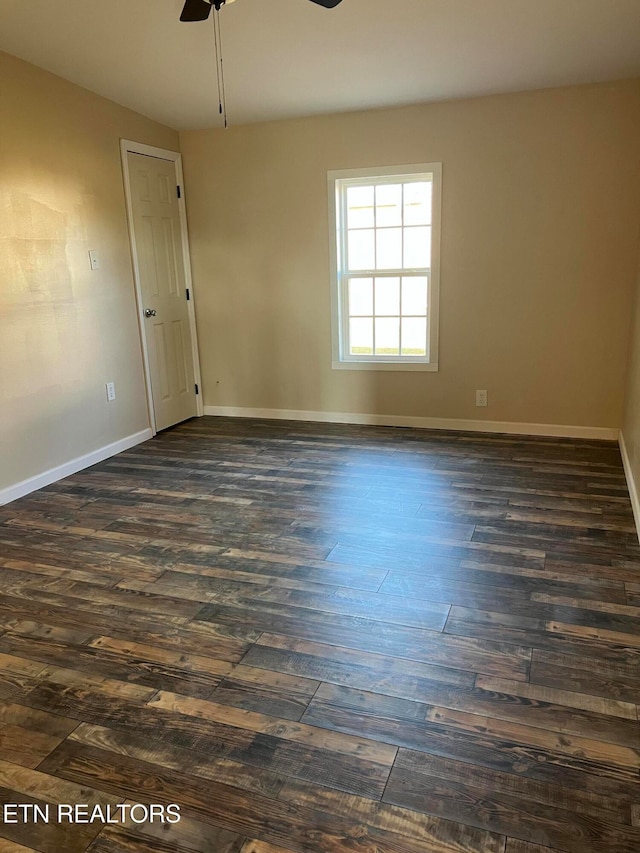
(150, 312)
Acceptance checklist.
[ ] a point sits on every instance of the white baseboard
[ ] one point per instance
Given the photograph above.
(631, 483)
(19, 490)
(553, 430)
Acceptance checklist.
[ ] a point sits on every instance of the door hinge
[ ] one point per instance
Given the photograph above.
(188, 295)
(179, 191)
(197, 390)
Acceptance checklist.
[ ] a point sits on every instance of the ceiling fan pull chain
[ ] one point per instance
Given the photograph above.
(215, 40)
(224, 91)
(217, 36)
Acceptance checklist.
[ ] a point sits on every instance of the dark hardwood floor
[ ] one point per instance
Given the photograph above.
(321, 639)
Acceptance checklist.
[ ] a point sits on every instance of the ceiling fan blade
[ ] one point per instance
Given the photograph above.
(328, 4)
(196, 10)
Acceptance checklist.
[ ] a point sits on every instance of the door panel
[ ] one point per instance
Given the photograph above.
(156, 226)
(182, 368)
(160, 341)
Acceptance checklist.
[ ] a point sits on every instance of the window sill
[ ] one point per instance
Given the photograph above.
(430, 367)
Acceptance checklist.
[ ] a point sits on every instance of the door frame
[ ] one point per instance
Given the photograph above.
(128, 146)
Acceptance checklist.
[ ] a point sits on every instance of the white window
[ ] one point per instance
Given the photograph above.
(385, 267)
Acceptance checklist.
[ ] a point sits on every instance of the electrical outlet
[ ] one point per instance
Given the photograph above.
(111, 391)
(482, 398)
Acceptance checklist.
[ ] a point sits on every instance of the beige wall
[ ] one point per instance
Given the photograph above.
(64, 330)
(631, 422)
(541, 206)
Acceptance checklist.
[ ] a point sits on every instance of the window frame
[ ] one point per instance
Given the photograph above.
(338, 181)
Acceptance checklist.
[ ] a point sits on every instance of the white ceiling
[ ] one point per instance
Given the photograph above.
(288, 58)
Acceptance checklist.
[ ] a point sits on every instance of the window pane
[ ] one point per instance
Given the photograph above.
(389, 248)
(417, 247)
(414, 295)
(388, 205)
(417, 203)
(388, 296)
(414, 337)
(361, 250)
(361, 296)
(360, 207)
(361, 337)
(388, 336)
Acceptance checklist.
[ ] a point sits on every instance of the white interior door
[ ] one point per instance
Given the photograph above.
(166, 327)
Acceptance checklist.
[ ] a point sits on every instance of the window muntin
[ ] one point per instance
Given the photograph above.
(386, 244)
